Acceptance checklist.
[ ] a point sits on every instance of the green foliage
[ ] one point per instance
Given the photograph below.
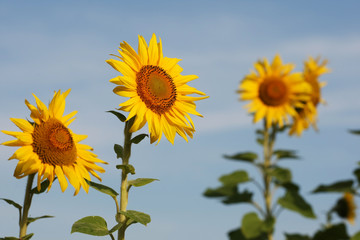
(43, 186)
(282, 175)
(118, 150)
(335, 232)
(30, 219)
(296, 237)
(222, 191)
(244, 156)
(141, 181)
(128, 168)
(295, 202)
(139, 138)
(92, 225)
(11, 202)
(253, 227)
(102, 188)
(120, 116)
(242, 197)
(26, 237)
(357, 175)
(356, 132)
(356, 236)
(234, 178)
(340, 186)
(285, 154)
(137, 217)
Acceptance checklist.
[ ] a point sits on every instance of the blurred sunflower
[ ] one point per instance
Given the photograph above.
(274, 91)
(307, 115)
(157, 90)
(345, 207)
(49, 148)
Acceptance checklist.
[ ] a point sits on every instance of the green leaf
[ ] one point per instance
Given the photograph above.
(234, 178)
(335, 232)
(260, 141)
(237, 234)
(26, 237)
(296, 237)
(295, 202)
(268, 225)
(118, 149)
(102, 188)
(43, 186)
(128, 168)
(120, 116)
(356, 236)
(115, 228)
(141, 181)
(243, 197)
(356, 132)
(11, 202)
(282, 175)
(341, 186)
(136, 216)
(223, 191)
(251, 225)
(357, 174)
(91, 225)
(244, 156)
(139, 138)
(281, 154)
(30, 219)
(290, 186)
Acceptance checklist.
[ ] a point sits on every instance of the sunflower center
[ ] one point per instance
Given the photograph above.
(273, 92)
(156, 88)
(53, 143)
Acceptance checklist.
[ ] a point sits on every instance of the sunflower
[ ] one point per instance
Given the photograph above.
(307, 115)
(49, 148)
(275, 92)
(345, 207)
(157, 90)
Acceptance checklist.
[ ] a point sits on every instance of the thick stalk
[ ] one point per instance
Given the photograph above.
(124, 181)
(26, 206)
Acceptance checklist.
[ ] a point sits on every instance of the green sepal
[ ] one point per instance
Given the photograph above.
(357, 175)
(251, 225)
(118, 149)
(43, 186)
(335, 232)
(234, 178)
(222, 191)
(141, 181)
(281, 175)
(282, 153)
(139, 138)
(242, 197)
(356, 236)
(30, 219)
(128, 168)
(296, 237)
(120, 116)
(244, 156)
(102, 188)
(136, 216)
(341, 186)
(293, 201)
(11, 202)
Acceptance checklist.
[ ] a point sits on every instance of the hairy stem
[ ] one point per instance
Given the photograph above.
(26, 206)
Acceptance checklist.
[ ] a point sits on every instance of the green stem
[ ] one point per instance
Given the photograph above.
(124, 180)
(26, 207)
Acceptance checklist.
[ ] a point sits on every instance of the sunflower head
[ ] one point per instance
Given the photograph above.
(49, 148)
(157, 90)
(274, 91)
(345, 207)
(307, 114)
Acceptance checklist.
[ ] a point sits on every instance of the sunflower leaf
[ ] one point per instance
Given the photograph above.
(293, 201)
(26, 237)
(334, 232)
(282, 175)
(242, 197)
(120, 116)
(128, 168)
(136, 216)
(281, 154)
(30, 219)
(115, 228)
(141, 181)
(356, 236)
(91, 225)
(223, 191)
(102, 188)
(139, 138)
(43, 186)
(234, 178)
(356, 132)
(118, 149)
(251, 225)
(341, 186)
(357, 174)
(11, 202)
(296, 237)
(244, 156)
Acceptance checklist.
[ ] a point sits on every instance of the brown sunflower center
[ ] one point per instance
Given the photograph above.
(53, 143)
(273, 92)
(156, 88)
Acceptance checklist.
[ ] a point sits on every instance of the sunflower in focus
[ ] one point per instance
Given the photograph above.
(274, 91)
(345, 207)
(49, 148)
(157, 90)
(307, 115)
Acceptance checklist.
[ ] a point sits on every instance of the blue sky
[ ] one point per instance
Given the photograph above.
(48, 45)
